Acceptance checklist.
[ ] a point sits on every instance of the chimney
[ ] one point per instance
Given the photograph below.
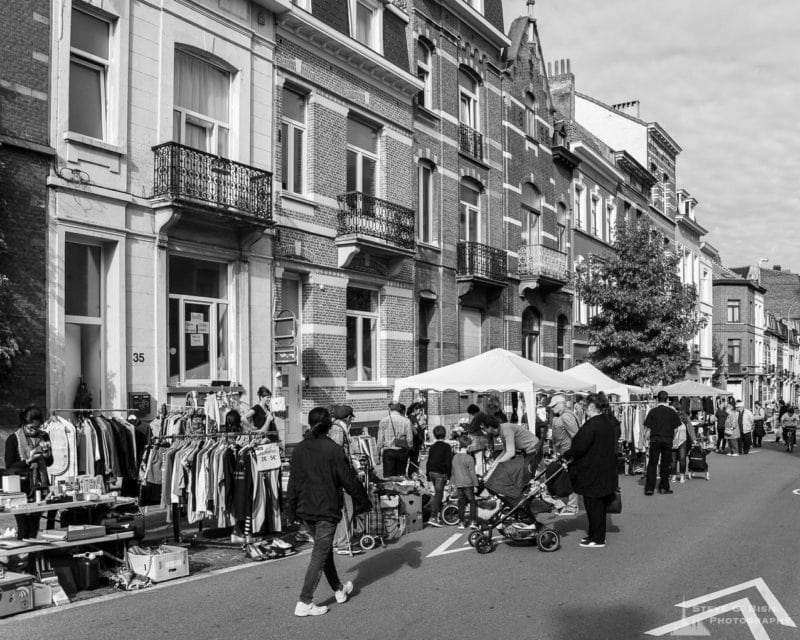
(531, 5)
(562, 86)
(630, 108)
(776, 267)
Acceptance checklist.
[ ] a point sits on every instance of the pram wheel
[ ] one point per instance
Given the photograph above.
(484, 544)
(449, 514)
(473, 537)
(367, 543)
(548, 540)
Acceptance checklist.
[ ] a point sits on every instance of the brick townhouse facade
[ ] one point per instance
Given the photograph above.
(538, 194)
(739, 323)
(160, 201)
(461, 295)
(25, 159)
(345, 208)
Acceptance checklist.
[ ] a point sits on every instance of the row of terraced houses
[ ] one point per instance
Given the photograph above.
(404, 183)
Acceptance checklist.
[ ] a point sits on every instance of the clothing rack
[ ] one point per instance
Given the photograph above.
(73, 410)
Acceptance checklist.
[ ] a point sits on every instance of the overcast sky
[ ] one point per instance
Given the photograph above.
(723, 78)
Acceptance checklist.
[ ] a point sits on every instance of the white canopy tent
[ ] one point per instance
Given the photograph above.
(496, 370)
(693, 389)
(589, 373)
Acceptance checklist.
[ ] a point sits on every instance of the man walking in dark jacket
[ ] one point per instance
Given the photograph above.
(319, 472)
(661, 423)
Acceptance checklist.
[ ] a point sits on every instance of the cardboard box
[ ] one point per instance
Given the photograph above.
(160, 567)
(410, 504)
(16, 593)
(42, 595)
(414, 522)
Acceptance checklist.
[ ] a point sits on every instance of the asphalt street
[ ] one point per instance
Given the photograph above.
(740, 526)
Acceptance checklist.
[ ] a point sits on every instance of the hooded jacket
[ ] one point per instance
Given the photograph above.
(319, 471)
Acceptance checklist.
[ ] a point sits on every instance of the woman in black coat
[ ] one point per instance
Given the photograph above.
(594, 467)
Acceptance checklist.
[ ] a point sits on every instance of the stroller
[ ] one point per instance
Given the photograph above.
(697, 460)
(516, 519)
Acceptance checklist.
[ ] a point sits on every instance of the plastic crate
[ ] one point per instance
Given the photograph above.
(160, 567)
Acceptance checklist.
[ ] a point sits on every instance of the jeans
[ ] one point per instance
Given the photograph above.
(721, 438)
(746, 442)
(661, 459)
(394, 462)
(344, 528)
(439, 481)
(596, 514)
(679, 459)
(413, 461)
(467, 494)
(733, 445)
(321, 560)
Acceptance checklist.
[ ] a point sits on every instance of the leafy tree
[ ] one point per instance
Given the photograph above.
(9, 342)
(718, 356)
(645, 315)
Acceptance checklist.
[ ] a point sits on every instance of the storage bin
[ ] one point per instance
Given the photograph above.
(410, 503)
(160, 567)
(16, 593)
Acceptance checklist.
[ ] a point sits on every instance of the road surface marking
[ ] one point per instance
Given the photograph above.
(444, 548)
(744, 605)
(764, 590)
(796, 492)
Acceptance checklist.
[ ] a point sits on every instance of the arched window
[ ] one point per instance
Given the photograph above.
(531, 211)
(531, 334)
(562, 226)
(530, 114)
(561, 341)
(424, 73)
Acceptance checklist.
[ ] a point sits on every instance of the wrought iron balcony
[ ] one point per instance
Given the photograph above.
(480, 261)
(183, 173)
(470, 141)
(537, 261)
(366, 215)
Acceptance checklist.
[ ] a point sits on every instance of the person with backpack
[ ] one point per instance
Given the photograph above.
(394, 440)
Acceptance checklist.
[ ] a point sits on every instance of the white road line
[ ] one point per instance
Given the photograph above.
(744, 605)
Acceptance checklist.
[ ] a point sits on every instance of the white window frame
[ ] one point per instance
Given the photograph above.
(473, 105)
(425, 69)
(611, 222)
(202, 120)
(365, 153)
(376, 27)
(360, 315)
(89, 320)
(531, 217)
(287, 146)
(92, 61)
(468, 207)
(594, 206)
(580, 209)
(425, 229)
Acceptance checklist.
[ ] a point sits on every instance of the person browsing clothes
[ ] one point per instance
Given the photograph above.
(28, 454)
(395, 438)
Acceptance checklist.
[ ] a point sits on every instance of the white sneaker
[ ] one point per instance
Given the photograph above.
(734, 454)
(346, 590)
(683, 479)
(302, 610)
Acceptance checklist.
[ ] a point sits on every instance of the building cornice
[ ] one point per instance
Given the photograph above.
(693, 225)
(658, 132)
(477, 22)
(356, 57)
(595, 160)
(627, 163)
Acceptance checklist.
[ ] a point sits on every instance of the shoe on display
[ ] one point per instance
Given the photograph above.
(434, 522)
(592, 545)
(461, 526)
(302, 610)
(346, 590)
(236, 538)
(567, 512)
(280, 544)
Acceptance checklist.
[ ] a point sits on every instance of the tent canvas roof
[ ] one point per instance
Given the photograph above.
(591, 374)
(495, 370)
(693, 389)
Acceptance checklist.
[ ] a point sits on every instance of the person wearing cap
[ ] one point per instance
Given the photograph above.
(565, 426)
(340, 433)
(510, 472)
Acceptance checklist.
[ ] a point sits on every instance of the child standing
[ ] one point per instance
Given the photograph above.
(438, 467)
(465, 481)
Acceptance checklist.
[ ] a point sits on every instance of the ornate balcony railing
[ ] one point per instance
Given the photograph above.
(537, 260)
(481, 261)
(360, 213)
(183, 172)
(470, 141)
